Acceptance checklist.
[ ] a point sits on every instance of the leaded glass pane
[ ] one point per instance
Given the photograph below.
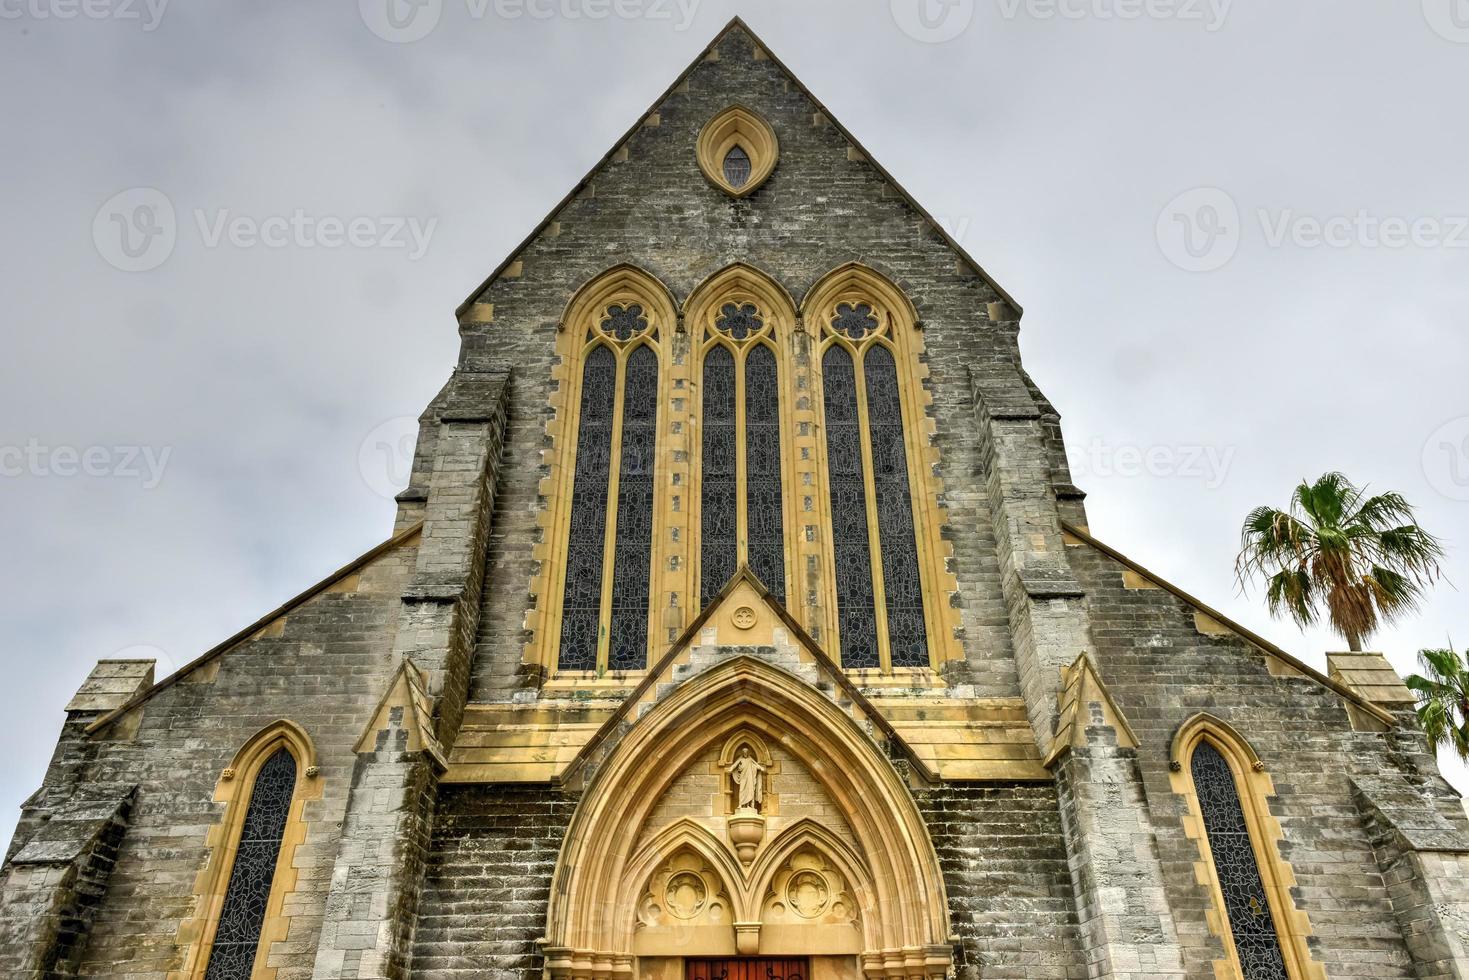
(739, 320)
(718, 508)
(855, 322)
(764, 517)
(581, 605)
(1250, 921)
(238, 936)
(737, 167)
(632, 568)
(855, 611)
(907, 638)
(624, 322)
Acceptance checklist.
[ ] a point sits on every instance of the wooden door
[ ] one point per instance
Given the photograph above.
(748, 969)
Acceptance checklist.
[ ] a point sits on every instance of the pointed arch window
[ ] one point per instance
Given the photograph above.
(237, 936)
(881, 619)
(606, 596)
(741, 497)
(1226, 784)
(244, 890)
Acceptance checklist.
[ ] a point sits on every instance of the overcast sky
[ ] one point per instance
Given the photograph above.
(1238, 231)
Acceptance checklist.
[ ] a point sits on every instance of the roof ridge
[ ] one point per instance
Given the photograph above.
(734, 23)
(1244, 632)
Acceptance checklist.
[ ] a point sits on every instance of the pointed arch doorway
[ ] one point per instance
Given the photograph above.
(671, 865)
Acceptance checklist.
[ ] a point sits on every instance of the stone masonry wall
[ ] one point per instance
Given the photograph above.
(1010, 895)
(1161, 670)
(488, 881)
(821, 208)
(325, 670)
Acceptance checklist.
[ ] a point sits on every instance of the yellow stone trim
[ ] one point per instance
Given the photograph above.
(622, 284)
(1254, 785)
(1082, 687)
(234, 789)
(743, 127)
(856, 283)
(741, 283)
(589, 925)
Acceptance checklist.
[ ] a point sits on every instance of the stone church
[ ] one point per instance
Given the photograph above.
(740, 621)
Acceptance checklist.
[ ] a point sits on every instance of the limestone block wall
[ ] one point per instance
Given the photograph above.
(324, 666)
(1005, 870)
(488, 881)
(1162, 669)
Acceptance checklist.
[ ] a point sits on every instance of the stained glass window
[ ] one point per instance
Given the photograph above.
(856, 615)
(737, 167)
(236, 940)
(764, 519)
(632, 569)
(719, 505)
(581, 607)
(1245, 900)
(907, 639)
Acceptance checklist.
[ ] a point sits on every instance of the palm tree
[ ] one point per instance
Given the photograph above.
(1443, 699)
(1361, 558)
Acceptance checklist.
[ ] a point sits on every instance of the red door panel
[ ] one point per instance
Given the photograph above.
(747, 969)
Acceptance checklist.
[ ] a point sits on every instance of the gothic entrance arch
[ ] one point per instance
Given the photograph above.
(747, 815)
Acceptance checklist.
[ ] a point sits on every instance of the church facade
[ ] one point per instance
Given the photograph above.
(740, 622)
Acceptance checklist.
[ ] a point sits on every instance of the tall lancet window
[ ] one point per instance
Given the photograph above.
(608, 570)
(1246, 899)
(741, 498)
(238, 930)
(880, 615)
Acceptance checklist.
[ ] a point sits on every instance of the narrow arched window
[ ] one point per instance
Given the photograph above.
(606, 596)
(737, 166)
(1246, 898)
(879, 590)
(238, 931)
(741, 501)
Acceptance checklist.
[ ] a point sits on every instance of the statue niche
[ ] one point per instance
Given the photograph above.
(745, 762)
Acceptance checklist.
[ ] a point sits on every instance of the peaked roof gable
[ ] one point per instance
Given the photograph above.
(738, 24)
(742, 584)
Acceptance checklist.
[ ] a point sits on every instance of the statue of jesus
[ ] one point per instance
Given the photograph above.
(749, 780)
